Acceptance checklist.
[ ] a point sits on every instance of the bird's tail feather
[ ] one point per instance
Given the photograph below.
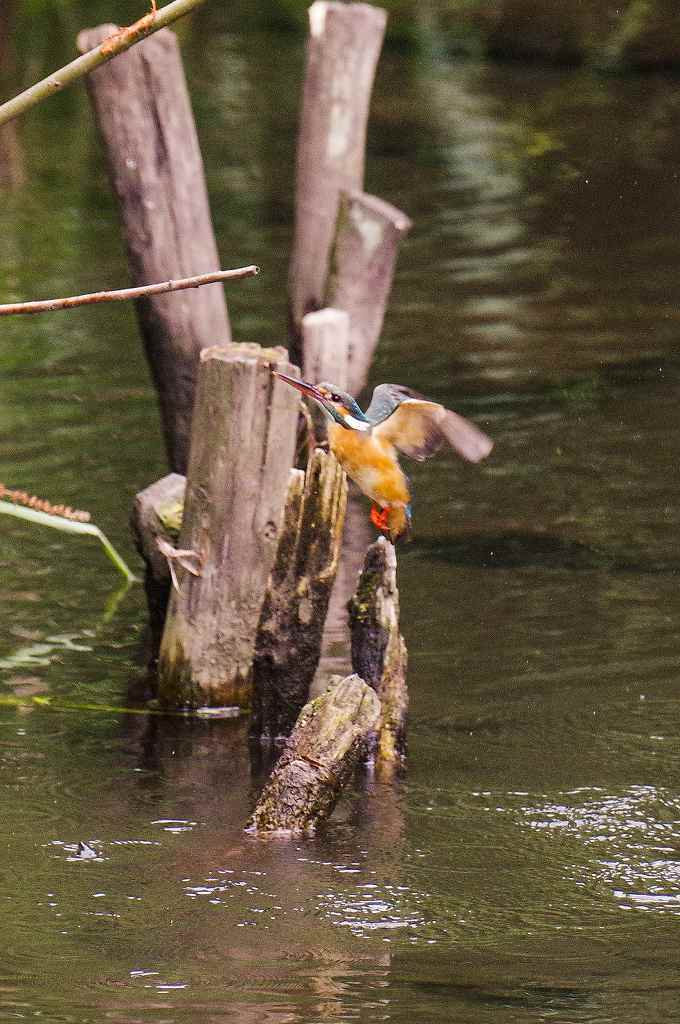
(398, 521)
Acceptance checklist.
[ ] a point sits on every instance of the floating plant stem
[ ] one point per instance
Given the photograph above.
(57, 522)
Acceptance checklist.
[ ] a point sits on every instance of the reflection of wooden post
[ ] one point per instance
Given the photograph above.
(342, 53)
(378, 648)
(157, 512)
(318, 759)
(288, 642)
(242, 448)
(362, 266)
(144, 114)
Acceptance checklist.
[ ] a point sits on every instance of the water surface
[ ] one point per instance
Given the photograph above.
(526, 866)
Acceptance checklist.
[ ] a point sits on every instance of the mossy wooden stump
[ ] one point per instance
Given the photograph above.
(378, 649)
(288, 644)
(319, 758)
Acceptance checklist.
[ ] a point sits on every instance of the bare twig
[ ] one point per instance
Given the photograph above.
(121, 294)
(82, 65)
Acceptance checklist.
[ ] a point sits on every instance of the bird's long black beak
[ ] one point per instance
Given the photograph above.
(301, 385)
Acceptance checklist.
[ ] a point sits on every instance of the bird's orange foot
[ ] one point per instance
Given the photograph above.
(379, 518)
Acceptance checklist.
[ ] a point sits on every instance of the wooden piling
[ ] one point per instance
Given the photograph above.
(325, 339)
(362, 267)
(143, 111)
(342, 53)
(242, 449)
(318, 760)
(378, 648)
(288, 644)
(157, 514)
(325, 355)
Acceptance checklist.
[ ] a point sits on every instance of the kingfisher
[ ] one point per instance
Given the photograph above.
(367, 444)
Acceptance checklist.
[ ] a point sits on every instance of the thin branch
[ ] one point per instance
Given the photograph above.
(122, 294)
(81, 66)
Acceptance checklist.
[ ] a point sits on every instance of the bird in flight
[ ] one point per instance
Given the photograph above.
(367, 444)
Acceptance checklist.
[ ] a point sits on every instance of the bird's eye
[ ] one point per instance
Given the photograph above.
(335, 397)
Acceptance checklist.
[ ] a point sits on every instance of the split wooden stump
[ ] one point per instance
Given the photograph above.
(378, 648)
(363, 258)
(342, 53)
(288, 643)
(319, 758)
(242, 448)
(143, 112)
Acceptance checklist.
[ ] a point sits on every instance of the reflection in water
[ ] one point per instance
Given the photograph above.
(525, 866)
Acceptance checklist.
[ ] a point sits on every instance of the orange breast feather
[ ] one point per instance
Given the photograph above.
(371, 463)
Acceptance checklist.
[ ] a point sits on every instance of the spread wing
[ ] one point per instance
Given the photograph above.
(418, 428)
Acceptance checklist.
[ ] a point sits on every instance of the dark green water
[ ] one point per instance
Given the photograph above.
(527, 867)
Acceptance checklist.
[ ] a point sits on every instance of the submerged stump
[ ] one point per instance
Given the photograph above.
(319, 758)
(378, 648)
(242, 448)
(288, 644)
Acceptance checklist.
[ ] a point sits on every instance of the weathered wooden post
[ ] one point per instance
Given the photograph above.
(378, 648)
(342, 54)
(157, 515)
(325, 346)
(361, 271)
(325, 355)
(242, 449)
(318, 760)
(143, 111)
(288, 644)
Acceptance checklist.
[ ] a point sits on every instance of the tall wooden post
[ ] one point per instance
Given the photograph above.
(362, 267)
(242, 449)
(143, 111)
(342, 54)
